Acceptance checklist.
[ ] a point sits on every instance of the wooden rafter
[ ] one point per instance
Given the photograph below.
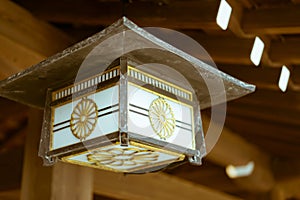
(176, 14)
(10, 195)
(19, 25)
(146, 13)
(232, 149)
(25, 40)
(275, 20)
(285, 51)
(152, 186)
(15, 57)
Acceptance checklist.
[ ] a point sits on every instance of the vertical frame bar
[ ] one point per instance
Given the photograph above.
(199, 136)
(123, 103)
(46, 135)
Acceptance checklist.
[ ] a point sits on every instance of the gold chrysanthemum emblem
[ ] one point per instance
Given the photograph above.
(117, 157)
(162, 118)
(84, 118)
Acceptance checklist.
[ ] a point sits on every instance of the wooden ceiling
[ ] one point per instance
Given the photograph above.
(263, 126)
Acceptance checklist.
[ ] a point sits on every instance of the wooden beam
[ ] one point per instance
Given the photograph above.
(237, 16)
(277, 140)
(223, 49)
(193, 15)
(232, 149)
(288, 189)
(285, 117)
(263, 97)
(72, 182)
(11, 170)
(20, 26)
(25, 40)
(247, 4)
(286, 169)
(151, 186)
(265, 78)
(286, 50)
(60, 182)
(208, 174)
(10, 195)
(15, 57)
(228, 49)
(36, 180)
(275, 20)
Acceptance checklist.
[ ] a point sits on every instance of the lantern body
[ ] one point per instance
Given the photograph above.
(123, 120)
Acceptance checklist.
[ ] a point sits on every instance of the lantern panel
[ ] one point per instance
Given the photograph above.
(160, 117)
(83, 118)
(132, 158)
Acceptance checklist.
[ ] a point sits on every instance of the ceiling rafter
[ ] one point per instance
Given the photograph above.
(273, 20)
(232, 149)
(166, 187)
(26, 30)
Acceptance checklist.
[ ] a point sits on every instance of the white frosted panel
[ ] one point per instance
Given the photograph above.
(64, 112)
(143, 98)
(63, 138)
(106, 124)
(139, 122)
(108, 97)
(103, 99)
(107, 121)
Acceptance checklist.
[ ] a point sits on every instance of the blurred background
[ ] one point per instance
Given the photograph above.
(257, 156)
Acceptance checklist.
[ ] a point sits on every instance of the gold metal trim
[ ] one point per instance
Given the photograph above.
(160, 95)
(162, 81)
(180, 156)
(83, 81)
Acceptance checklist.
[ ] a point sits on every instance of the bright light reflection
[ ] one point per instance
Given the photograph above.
(240, 171)
(257, 51)
(284, 78)
(224, 14)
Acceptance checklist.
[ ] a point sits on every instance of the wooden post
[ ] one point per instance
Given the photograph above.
(72, 182)
(36, 180)
(63, 181)
(25, 41)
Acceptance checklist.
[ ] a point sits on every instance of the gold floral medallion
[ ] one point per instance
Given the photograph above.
(162, 118)
(117, 157)
(84, 118)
